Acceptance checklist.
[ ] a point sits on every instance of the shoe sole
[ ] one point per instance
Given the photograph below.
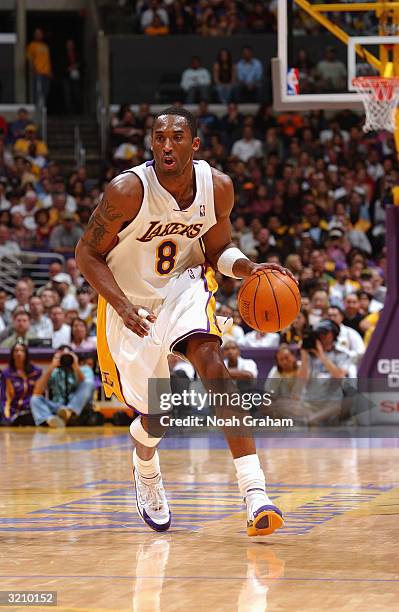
(151, 525)
(64, 414)
(56, 423)
(266, 522)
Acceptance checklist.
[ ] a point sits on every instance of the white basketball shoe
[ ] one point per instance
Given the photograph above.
(151, 502)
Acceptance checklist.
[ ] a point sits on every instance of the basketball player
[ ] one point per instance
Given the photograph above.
(146, 251)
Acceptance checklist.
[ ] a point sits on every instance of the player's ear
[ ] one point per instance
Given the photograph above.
(196, 143)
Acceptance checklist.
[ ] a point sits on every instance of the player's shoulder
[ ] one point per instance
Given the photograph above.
(125, 188)
(220, 179)
(223, 188)
(223, 191)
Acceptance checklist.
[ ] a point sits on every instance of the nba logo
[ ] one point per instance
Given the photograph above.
(293, 82)
(191, 273)
(202, 210)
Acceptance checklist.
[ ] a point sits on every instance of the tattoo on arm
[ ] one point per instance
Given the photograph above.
(108, 211)
(95, 232)
(97, 227)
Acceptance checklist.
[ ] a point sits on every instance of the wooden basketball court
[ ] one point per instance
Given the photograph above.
(68, 524)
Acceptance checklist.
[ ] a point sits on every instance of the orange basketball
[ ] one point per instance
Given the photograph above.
(269, 300)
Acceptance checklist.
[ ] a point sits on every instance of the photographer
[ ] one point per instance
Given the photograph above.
(70, 386)
(323, 367)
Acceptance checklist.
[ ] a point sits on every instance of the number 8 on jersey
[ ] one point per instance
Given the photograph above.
(166, 257)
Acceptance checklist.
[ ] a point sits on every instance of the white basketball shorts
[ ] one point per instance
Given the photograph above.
(127, 362)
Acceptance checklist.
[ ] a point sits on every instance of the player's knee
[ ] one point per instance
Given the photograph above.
(147, 431)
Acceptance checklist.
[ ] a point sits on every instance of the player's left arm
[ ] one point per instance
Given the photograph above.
(221, 252)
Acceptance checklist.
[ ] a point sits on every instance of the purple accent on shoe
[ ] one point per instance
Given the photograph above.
(272, 508)
(263, 522)
(156, 526)
(145, 517)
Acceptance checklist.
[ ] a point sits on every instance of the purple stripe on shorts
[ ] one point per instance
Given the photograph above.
(209, 296)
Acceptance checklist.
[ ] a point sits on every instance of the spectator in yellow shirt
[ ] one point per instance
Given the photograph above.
(157, 27)
(30, 145)
(368, 325)
(38, 54)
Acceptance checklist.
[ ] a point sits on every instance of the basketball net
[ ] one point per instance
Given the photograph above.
(380, 96)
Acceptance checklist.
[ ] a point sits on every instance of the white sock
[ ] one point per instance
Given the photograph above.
(250, 475)
(147, 470)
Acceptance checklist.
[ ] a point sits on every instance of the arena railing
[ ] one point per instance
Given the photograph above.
(33, 264)
(80, 151)
(41, 117)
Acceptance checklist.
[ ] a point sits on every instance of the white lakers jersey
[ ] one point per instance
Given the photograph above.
(162, 241)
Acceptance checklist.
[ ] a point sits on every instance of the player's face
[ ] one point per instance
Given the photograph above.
(173, 145)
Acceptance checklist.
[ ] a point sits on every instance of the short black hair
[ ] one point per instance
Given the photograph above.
(337, 308)
(179, 111)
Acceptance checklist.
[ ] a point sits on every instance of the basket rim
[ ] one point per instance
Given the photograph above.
(373, 81)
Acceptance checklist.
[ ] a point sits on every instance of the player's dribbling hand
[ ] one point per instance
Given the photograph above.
(134, 319)
(274, 266)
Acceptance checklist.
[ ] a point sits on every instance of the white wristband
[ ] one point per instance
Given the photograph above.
(227, 260)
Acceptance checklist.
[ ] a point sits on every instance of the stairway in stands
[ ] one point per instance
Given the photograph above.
(61, 143)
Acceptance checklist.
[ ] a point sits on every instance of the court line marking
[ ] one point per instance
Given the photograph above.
(282, 578)
(203, 484)
(120, 441)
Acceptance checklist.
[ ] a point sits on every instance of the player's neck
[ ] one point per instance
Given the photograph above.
(182, 187)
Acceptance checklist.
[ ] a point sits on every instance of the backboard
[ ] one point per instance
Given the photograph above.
(322, 47)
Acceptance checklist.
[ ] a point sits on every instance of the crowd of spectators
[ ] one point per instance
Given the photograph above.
(229, 82)
(310, 194)
(327, 75)
(355, 23)
(40, 208)
(205, 17)
(227, 17)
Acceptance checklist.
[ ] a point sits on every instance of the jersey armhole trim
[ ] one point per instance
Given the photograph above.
(127, 223)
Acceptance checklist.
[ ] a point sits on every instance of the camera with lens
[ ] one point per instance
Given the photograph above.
(66, 361)
(309, 339)
(310, 335)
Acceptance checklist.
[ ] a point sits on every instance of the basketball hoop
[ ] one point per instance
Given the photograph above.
(380, 96)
